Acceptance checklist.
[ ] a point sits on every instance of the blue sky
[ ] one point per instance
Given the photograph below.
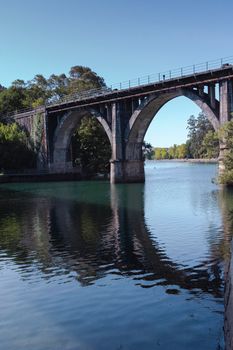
(119, 40)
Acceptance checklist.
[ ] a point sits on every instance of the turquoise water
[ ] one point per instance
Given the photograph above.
(89, 265)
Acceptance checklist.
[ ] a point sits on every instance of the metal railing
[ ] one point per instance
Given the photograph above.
(81, 95)
(137, 82)
(22, 111)
(175, 73)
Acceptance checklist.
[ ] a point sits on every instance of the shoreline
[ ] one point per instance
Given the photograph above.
(50, 177)
(183, 160)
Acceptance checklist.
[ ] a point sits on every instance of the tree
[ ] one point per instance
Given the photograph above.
(160, 153)
(181, 151)
(210, 145)
(58, 86)
(90, 147)
(83, 78)
(19, 83)
(37, 92)
(172, 152)
(147, 150)
(226, 136)
(164, 154)
(198, 128)
(157, 152)
(15, 149)
(12, 99)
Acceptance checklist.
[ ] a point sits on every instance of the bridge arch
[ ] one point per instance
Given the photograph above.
(144, 114)
(69, 122)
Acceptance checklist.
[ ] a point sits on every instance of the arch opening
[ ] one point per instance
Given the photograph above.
(169, 125)
(144, 115)
(82, 143)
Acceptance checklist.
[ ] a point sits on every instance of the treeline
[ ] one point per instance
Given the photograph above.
(226, 134)
(173, 152)
(202, 142)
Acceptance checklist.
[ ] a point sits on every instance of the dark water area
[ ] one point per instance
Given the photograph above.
(94, 266)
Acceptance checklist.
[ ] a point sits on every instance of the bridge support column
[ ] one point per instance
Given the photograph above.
(122, 169)
(127, 171)
(225, 115)
(116, 169)
(134, 171)
(60, 164)
(226, 101)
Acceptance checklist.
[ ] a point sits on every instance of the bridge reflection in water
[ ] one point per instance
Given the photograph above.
(100, 232)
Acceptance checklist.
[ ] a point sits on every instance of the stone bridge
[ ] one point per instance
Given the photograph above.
(125, 114)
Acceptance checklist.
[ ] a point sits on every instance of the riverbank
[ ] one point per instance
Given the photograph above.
(6, 178)
(46, 177)
(33, 175)
(184, 160)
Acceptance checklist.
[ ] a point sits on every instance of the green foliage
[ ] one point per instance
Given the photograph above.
(14, 148)
(58, 86)
(210, 145)
(83, 78)
(160, 153)
(12, 99)
(37, 91)
(174, 152)
(202, 141)
(226, 178)
(226, 135)
(90, 147)
(181, 151)
(147, 150)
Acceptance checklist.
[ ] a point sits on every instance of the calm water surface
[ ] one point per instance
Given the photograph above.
(87, 265)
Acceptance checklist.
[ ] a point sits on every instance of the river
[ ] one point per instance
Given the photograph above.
(94, 266)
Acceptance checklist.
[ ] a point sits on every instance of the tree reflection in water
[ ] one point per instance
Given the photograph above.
(80, 239)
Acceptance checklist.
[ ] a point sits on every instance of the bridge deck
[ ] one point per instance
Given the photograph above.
(99, 96)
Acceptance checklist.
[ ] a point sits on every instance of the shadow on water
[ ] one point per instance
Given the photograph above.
(86, 233)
